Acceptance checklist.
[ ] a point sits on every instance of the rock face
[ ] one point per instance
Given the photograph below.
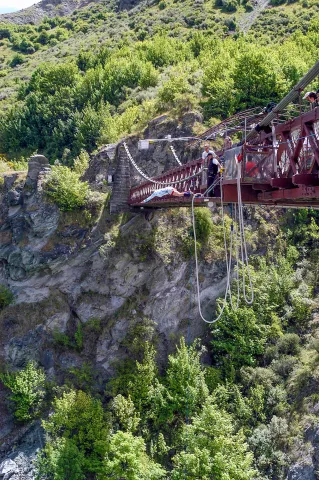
(104, 276)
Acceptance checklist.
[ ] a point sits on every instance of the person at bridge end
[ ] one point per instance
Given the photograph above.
(227, 143)
(312, 97)
(207, 151)
(213, 171)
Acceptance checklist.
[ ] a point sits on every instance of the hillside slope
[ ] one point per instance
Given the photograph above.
(46, 8)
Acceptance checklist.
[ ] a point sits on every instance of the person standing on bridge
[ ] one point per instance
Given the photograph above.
(213, 171)
(206, 152)
(312, 97)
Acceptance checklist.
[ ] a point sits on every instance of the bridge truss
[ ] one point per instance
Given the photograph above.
(279, 167)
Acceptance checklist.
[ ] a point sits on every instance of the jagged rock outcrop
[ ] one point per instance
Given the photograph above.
(66, 272)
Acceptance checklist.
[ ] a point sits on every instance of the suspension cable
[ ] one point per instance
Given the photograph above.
(157, 182)
(175, 155)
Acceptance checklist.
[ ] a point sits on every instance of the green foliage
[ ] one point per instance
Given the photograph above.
(65, 188)
(269, 444)
(6, 296)
(213, 448)
(124, 412)
(27, 387)
(81, 163)
(203, 224)
(185, 380)
(78, 336)
(62, 339)
(17, 59)
(59, 460)
(126, 458)
(80, 418)
(238, 339)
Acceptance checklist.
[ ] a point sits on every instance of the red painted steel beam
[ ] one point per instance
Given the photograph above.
(313, 142)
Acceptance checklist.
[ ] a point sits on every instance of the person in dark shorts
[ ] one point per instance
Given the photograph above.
(212, 173)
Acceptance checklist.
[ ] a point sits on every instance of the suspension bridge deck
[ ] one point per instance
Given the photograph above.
(279, 168)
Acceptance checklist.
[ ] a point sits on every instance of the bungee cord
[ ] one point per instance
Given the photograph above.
(228, 262)
(237, 232)
(243, 244)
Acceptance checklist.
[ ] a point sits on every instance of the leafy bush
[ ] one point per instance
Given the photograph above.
(289, 344)
(213, 450)
(126, 458)
(79, 417)
(65, 188)
(27, 387)
(60, 460)
(6, 296)
(16, 60)
(203, 224)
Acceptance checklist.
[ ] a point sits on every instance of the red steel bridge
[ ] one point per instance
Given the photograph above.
(280, 167)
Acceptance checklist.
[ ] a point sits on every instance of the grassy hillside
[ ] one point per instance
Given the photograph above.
(109, 71)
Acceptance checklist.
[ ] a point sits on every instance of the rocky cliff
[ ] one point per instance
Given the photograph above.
(103, 274)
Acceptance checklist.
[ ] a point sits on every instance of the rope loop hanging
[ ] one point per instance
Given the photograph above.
(237, 232)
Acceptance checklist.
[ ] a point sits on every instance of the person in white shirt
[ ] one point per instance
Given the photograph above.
(206, 151)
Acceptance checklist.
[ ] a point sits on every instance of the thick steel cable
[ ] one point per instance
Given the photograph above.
(289, 98)
(158, 182)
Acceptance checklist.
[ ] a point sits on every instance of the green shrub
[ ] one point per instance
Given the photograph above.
(93, 325)
(203, 224)
(78, 337)
(27, 387)
(80, 418)
(6, 296)
(66, 189)
(289, 344)
(62, 339)
(60, 460)
(284, 365)
(18, 59)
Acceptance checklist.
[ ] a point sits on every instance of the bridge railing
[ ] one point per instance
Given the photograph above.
(189, 177)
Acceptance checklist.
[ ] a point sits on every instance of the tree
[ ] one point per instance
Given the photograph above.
(126, 458)
(79, 417)
(60, 460)
(185, 381)
(27, 387)
(238, 339)
(212, 449)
